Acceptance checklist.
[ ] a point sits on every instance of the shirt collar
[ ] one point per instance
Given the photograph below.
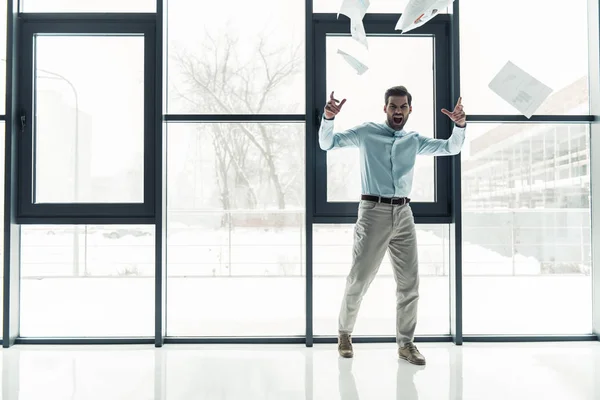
(392, 131)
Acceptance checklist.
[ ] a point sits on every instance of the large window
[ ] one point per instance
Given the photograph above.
(3, 35)
(235, 185)
(248, 60)
(87, 280)
(88, 118)
(236, 230)
(526, 187)
(3, 20)
(202, 120)
(332, 252)
(487, 44)
(337, 178)
(365, 101)
(77, 156)
(2, 168)
(100, 6)
(526, 230)
(376, 6)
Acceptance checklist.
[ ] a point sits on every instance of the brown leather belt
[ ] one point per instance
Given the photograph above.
(400, 201)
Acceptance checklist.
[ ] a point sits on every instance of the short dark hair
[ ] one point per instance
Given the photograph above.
(398, 91)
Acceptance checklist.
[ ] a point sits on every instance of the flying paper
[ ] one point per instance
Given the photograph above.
(519, 89)
(354, 9)
(354, 63)
(418, 12)
(358, 32)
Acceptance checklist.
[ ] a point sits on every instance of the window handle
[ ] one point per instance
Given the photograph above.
(23, 122)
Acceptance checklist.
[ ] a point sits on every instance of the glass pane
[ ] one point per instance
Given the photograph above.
(526, 229)
(242, 57)
(3, 9)
(3, 131)
(236, 229)
(87, 280)
(486, 46)
(332, 252)
(365, 102)
(88, 5)
(377, 6)
(89, 119)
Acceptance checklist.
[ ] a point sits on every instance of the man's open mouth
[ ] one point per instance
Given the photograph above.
(398, 120)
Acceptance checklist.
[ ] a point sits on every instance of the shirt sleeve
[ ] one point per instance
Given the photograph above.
(329, 140)
(443, 147)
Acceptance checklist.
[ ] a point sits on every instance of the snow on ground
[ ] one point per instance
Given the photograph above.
(250, 281)
(239, 252)
(207, 306)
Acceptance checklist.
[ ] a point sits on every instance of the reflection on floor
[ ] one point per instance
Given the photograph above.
(293, 372)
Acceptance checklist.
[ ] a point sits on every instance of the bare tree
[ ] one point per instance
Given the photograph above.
(228, 77)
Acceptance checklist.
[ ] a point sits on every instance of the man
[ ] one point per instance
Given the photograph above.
(385, 220)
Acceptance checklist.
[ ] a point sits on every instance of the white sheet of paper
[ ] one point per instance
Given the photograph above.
(358, 32)
(418, 12)
(519, 89)
(354, 63)
(354, 9)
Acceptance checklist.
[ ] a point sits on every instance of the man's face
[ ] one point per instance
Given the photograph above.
(397, 110)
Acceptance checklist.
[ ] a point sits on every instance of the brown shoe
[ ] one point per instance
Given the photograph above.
(345, 345)
(410, 353)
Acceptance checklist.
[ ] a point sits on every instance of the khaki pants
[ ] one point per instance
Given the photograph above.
(380, 227)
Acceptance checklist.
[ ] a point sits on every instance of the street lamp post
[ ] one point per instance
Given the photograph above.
(56, 76)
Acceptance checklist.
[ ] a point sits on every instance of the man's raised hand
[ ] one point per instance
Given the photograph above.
(333, 107)
(458, 116)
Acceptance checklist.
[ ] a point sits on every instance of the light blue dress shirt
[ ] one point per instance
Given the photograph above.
(387, 157)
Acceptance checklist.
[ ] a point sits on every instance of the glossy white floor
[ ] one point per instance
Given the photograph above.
(289, 372)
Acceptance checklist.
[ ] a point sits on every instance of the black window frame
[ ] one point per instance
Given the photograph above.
(438, 211)
(29, 212)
